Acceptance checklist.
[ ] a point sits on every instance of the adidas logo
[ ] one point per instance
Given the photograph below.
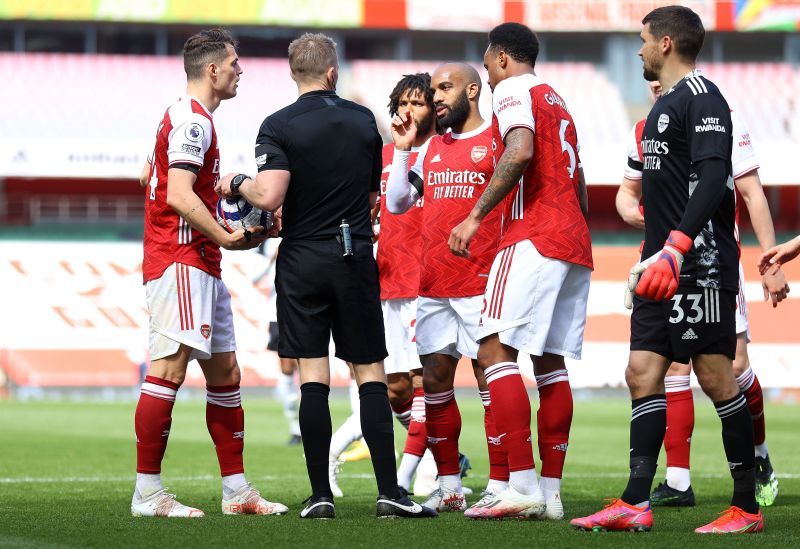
(436, 158)
(689, 334)
(561, 447)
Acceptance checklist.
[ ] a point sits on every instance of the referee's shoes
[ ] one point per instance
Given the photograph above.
(402, 506)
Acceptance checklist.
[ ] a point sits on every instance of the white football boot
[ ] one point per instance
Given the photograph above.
(162, 504)
(334, 466)
(444, 499)
(509, 503)
(248, 501)
(555, 509)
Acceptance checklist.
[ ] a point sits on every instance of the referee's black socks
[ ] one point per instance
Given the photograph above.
(378, 430)
(648, 426)
(737, 437)
(315, 429)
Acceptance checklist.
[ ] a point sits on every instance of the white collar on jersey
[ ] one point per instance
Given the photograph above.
(692, 74)
(191, 97)
(473, 133)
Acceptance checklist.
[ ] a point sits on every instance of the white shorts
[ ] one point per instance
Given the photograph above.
(189, 306)
(536, 304)
(448, 325)
(399, 319)
(742, 325)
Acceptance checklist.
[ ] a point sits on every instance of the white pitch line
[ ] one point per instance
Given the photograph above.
(89, 480)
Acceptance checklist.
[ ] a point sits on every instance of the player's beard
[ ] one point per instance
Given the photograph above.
(457, 114)
(424, 124)
(651, 69)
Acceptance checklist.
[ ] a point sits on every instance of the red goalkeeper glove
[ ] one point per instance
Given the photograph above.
(660, 273)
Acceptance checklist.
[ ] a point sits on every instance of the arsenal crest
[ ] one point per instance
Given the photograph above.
(478, 153)
(663, 122)
(205, 330)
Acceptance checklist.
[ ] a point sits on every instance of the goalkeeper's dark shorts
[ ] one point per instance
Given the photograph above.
(322, 294)
(696, 321)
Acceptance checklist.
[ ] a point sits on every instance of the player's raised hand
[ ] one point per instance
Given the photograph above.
(778, 255)
(404, 131)
(660, 279)
(461, 235)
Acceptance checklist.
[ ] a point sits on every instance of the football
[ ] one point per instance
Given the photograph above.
(237, 213)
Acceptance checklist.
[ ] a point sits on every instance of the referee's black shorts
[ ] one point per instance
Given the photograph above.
(321, 293)
(697, 321)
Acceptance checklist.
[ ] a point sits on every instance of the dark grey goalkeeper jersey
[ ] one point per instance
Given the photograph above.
(688, 124)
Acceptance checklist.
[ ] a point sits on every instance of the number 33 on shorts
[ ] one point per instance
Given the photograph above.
(696, 307)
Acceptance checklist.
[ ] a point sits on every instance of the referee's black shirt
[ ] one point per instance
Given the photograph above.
(332, 148)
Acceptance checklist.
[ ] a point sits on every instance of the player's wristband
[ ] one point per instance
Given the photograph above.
(236, 182)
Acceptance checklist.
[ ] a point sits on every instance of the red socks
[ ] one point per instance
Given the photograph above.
(680, 421)
(511, 410)
(553, 421)
(443, 422)
(152, 423)
(498, 461)
(417, 439)
(225, 421)
(748, 383)
(402, 413)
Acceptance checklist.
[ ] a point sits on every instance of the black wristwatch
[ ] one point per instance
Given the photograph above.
(236, 182)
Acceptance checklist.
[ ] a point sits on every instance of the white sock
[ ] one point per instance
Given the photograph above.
(355, 400)
(286, 391)
(550, 486)
(678, 478)
(232, 483)
(344, 435)
(496, 486)
(761, 450)
(146, 484)
(450, 482)
(525, 482)
(408, 465)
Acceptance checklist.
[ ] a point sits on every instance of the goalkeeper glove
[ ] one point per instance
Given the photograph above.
(660, 273)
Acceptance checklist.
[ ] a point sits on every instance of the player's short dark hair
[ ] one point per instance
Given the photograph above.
(205, 47)
(518, 41)
(682, 25)
(419, 82)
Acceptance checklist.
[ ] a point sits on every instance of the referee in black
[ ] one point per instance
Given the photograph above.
(319, 160)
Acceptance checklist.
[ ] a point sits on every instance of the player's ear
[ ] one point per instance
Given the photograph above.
(473, 90)
(502, 59)
(667, 44)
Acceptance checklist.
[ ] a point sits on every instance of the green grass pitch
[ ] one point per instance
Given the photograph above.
(67, 469)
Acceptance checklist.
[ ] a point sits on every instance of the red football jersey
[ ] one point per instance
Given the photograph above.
(400, 241)
(185, 136)
(544, 208)
(455, 170)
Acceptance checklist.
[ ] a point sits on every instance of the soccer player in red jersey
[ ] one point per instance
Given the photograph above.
(537, 291)
(449, 176)
(190, 307)
(676, 490)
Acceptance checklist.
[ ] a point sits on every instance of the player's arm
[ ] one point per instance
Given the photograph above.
(144, 176)
(773, 283)
(775, 257)
(583, 192)
(182, 198)
(403, 187)
(627, 201)
(512, 164)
